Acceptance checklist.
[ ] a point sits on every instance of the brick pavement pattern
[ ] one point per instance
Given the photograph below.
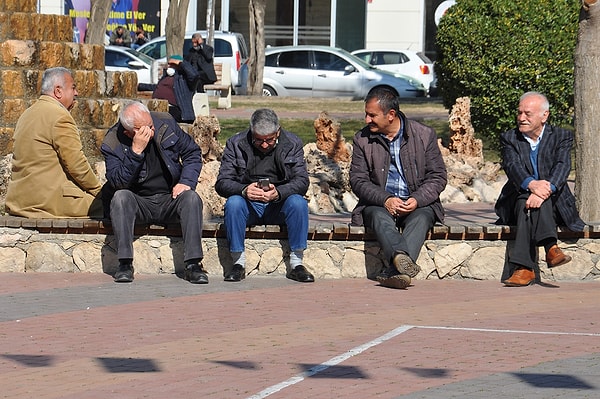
(83, 336)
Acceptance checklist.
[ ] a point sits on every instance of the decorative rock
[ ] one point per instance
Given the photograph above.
(485, 264)
(87, 257)
(12, 260)
(47, 257)
(448, 259)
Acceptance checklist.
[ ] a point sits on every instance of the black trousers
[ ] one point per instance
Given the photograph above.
(127, 208)
(533, 227)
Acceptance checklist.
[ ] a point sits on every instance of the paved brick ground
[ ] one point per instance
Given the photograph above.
(83, 336)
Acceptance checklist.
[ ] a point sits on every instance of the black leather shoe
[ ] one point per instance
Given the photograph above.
(299, 273)
(124, 273)
(195, 274)
(237, 273)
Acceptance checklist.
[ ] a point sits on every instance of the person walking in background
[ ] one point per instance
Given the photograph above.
(201, 57)
(536, 198)
(51, 176)
(398, 173)
(264, 177)
(152, 169)
(176, 86)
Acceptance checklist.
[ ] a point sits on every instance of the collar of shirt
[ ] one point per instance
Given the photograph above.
(533, 144)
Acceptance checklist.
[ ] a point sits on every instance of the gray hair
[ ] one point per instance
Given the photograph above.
(545, 103)
(264, 122)
(197, 35)
(130, 112)
(53, 77)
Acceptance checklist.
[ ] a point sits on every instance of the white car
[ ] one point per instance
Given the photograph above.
(230, 47)
(407, 62)
(123, 59)
(321, 71)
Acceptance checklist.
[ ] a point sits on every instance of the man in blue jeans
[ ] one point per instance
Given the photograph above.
(398, 173)
(264, 178)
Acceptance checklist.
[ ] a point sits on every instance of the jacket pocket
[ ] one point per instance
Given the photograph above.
(72, 192)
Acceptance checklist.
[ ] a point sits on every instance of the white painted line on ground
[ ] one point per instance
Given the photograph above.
(395, 332)
(331, 362)
(510, 331)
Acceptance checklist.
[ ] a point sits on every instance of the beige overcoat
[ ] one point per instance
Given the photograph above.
(51, 177)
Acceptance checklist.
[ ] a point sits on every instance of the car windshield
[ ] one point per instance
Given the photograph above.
(143, 57)
(359, 61)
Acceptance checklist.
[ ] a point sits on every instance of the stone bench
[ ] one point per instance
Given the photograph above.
(335, 249)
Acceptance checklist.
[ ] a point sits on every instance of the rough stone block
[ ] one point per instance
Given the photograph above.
(11, 109)
(51, 54)
(87, 82)
(33, 83)
(17, 53)
(6, 140)
(19, 5)
(21, 24)
(11, 83)
(5, 31)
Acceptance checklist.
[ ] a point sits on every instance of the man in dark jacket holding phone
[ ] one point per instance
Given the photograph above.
(264, 178)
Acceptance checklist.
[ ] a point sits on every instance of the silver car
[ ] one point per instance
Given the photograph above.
(122, 59)
(321, 71)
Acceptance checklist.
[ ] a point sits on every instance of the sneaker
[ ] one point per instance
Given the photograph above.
(405, 265)
(195, 274)
(124, 273)
(299, 273)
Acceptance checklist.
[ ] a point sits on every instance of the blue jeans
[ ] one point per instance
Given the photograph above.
(415, 227)
(240, 213)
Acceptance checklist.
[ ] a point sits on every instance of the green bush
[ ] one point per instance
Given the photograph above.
(493, 51)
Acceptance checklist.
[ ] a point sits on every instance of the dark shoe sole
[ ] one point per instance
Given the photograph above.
(510, 284)
(123, 279)
(230, 278)
(399, 281)
(566, 260)
(405, 265)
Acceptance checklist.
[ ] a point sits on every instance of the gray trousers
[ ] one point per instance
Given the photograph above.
(128, 208)
(415, 227)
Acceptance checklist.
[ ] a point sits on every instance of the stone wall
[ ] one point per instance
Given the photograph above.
(27, 250)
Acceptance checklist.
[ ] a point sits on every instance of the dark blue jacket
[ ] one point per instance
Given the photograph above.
(289, 158)
(180, 154)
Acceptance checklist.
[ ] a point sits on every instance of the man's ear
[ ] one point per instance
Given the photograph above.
(57, 92)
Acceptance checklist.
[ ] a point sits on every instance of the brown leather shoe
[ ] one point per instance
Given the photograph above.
(520, 278)
(556, 257)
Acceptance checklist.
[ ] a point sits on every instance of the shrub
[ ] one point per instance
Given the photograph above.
(495, 50)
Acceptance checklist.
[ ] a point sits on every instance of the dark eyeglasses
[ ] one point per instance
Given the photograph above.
(269, 141)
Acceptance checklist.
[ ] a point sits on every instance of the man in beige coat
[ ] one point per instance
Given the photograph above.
(51, 177)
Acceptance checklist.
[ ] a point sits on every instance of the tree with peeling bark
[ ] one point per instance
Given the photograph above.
(587, 103)
(256, 60)
(96, 29)
(175, 26)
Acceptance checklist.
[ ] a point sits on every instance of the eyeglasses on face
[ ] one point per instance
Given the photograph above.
(269, 140)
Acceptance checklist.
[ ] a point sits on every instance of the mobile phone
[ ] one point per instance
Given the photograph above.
(264, 183)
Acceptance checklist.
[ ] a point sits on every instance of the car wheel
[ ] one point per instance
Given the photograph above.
(268, 91)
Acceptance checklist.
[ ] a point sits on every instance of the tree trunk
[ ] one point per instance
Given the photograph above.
(210, 23)
(587, 104)
(175, 26)
(256, 60)
(96, 30)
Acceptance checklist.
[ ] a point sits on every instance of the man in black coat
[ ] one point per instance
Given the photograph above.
(537, 160)
(201, 57)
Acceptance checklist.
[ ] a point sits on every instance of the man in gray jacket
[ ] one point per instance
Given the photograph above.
(398, 173)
